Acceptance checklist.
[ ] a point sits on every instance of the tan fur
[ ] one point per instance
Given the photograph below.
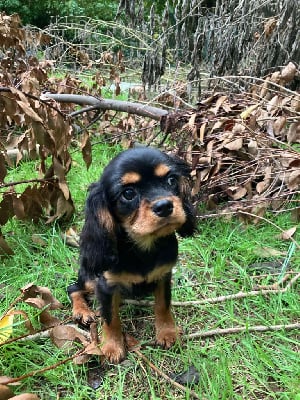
(130, 178)
(81, 310)
(127, 279)
(145, 227)
(166, 331)
(113, 344)
(161, 170)
(106, 219)
(90, 286)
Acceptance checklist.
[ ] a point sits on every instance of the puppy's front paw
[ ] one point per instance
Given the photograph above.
(83, 315)
(167, 336)
(114, 350)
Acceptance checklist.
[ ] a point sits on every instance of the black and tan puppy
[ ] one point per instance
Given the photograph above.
(128, 244)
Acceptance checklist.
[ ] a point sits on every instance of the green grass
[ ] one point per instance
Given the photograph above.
(224, 258)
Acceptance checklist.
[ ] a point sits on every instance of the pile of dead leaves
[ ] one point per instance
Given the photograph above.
(240, 145)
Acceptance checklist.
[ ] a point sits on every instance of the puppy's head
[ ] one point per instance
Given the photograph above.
(146, 196)
(142, 192)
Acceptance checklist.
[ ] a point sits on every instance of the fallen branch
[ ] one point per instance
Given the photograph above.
(242, 329)
(220, 299)
(9, 380)
(108, 104)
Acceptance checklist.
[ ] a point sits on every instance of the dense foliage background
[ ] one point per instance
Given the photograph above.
(39, 13)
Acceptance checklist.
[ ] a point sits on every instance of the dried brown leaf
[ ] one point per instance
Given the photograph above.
(219, 103)
(5, 392)
(60, 172)
(5, 378)
(288, 72)
(47, 320)
(28, 110)
(86, 149)
(295, 103)
(65, 336)
(26, 396)
(36, 302)
(294, 180)
(278, 125)
(295, 163)
(19, 207)
(32, 291)
(235, 145)
(287, 234)
(202, 132)
(218, 124)
(293, 135)
(93, 348)
(236, 192)
(253, 147)
(4, 247)
(264, 88)
(82, 359)
(262, 186)
(238, 128)
(132, 343)
(273, 104)
(3, 170)
(269, 26)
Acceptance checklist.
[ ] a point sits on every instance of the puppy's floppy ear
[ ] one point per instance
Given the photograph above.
(98, 249)
(190, 225)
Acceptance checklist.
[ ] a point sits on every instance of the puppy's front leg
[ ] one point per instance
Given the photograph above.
(81, 310)
(113, 345)
(166, 332)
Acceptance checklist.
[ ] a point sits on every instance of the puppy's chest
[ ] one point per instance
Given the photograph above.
(137, 267)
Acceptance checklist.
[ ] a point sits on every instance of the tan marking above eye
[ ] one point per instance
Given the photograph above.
(161, 170)
(130, 178)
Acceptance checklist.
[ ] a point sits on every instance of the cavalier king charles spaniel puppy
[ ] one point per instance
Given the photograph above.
(128, 244)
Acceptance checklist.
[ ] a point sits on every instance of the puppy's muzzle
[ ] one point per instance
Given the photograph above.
(163, 208)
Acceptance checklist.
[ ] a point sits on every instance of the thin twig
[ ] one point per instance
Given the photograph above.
(3, 185)
(165, 376)
(8, 381)
(220, 299)
(242, 329)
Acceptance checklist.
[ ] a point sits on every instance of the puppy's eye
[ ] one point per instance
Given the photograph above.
(172, 180)
(129, 194)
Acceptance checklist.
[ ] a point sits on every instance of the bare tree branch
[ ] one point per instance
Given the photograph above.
(108, 104)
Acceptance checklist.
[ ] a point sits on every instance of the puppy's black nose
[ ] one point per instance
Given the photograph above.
(163, 208)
